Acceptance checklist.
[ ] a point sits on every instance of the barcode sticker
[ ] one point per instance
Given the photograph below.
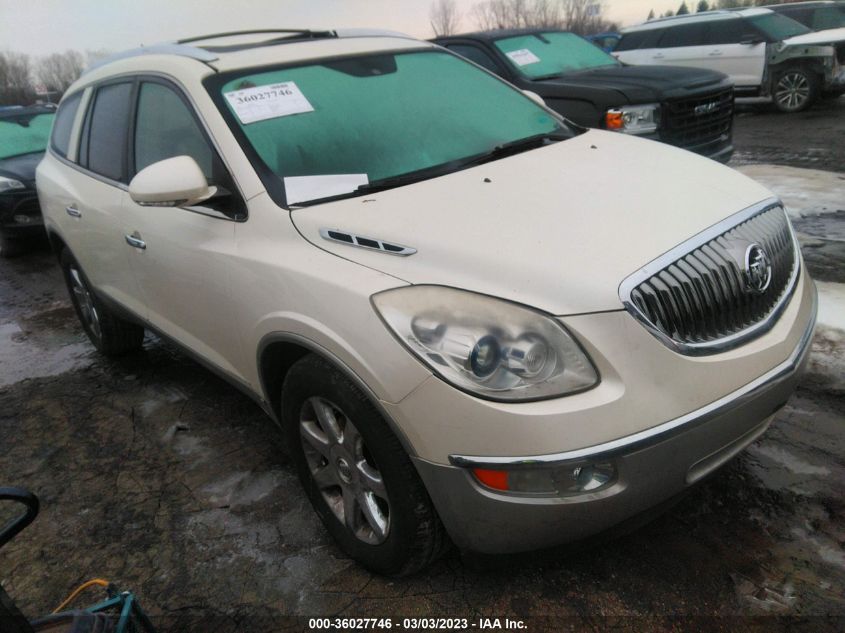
(268, 102)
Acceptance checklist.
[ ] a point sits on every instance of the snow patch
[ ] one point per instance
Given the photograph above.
(803, 191)
(831, 304)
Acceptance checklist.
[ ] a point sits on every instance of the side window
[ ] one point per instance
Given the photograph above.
(63, 124)
(103, 149)
(638, 39)
(475, 54)
(729, 32)
(165, 127)
(684, 35)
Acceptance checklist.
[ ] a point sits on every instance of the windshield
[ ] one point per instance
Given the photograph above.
(778, 27)
(544, 55)
(24, 134)
(829, 18)
(324, 130)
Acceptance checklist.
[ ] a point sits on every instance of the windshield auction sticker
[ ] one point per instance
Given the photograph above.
(268, 102)
(523, 57)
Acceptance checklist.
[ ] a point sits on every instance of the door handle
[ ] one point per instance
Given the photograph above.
(715, 53)
(135, 241)
(659, 56)
(73, 211)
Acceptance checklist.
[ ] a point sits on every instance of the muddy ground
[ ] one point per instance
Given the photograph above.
(155, 474)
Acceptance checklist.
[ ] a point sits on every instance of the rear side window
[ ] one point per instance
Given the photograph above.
(165, 127)
(730, 32)
(104, 147)
(63, 124)
(475, 54)
(638, 39)
(684, 35)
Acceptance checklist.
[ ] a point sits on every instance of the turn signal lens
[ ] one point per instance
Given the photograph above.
(614, 120)
(557, 481)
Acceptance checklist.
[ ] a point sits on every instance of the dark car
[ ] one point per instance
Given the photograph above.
(24, 133)
(818, 16)
(686, 107)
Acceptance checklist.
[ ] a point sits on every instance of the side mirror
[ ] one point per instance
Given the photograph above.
(534, 97)
(173, 182)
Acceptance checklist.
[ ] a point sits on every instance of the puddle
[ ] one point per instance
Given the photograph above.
(48, 344)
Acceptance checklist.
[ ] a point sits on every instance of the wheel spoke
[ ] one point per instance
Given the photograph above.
(350, 510)
(328, 420)
(371, 479)
(373, 514)
(352, 440)
(312, 434)
(326, 477)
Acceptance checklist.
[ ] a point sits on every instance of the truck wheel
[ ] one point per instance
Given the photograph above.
(110, 334)
(795, 89)
(356, 474)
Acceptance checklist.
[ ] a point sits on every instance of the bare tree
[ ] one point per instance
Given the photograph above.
(15, 79)
(59, 70)
(445, 17)
(586, 16)
(510, 14)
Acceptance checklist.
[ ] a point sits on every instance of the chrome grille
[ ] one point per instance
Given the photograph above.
(700, 298)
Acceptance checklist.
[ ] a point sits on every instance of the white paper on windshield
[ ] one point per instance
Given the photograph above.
(523, 57)
(303, 188)
(268, 102)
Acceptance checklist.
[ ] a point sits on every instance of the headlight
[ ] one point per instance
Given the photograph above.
(7, 184)
(490, 347)
(642, 119)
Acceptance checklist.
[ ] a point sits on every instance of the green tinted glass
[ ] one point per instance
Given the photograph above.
(829, 18)
(547, 54)
(24, 135)
(382, 115)
(778, 27)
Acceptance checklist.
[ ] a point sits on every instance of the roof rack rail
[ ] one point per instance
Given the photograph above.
(193, 52)
(294, 32)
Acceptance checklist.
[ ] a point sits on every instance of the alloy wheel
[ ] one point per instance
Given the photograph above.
(344, 470)
(793, 91)
(85, 302)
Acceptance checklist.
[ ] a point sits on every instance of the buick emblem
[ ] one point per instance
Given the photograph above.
(758, 269)
(706, 108)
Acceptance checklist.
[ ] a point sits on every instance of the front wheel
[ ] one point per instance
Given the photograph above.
(795, 89)
(356, 474)
(112, 335)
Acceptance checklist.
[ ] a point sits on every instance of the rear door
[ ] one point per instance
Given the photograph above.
(91, 181)
(182, 256)
(685, 45)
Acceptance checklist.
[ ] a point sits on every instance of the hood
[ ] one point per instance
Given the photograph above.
(21, 167)
(645, 84)
(828, 36)
(557, 228)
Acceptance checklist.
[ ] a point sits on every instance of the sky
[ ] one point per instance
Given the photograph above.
(40, 27)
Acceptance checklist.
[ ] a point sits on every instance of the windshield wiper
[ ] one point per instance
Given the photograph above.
(499, 151)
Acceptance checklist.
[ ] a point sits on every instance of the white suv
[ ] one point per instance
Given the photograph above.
(468, 316)
(770, 57)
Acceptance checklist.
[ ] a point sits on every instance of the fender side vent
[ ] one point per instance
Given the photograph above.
(368, 243)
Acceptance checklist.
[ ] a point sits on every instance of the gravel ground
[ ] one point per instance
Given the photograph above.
(155, 474)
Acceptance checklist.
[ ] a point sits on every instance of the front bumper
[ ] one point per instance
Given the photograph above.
(652, 466)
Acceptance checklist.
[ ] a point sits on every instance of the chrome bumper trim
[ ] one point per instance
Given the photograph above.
(662, 431)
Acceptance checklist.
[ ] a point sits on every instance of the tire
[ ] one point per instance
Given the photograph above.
(11, 247)
(110, 334)
(795, 89)
(391, 528)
